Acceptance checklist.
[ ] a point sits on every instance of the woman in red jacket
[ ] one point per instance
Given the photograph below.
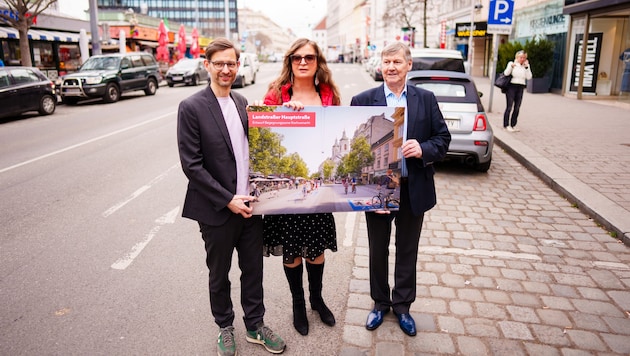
(305, 80)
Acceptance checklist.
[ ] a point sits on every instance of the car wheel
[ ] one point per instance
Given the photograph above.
(112, 93)
(69, 101)
(195, 80)
(254, 79)
(483, 167)
(151, 87)
(47, 105)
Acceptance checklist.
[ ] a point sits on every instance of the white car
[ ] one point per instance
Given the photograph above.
(246, 72)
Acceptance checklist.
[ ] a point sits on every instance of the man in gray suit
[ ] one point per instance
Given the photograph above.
(214, 153)
(426, 139)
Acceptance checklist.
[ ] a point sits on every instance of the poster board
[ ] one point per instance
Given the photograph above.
(307, 161)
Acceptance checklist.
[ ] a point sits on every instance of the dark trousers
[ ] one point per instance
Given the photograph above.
(408, 227)
(244, 235)
(514, 96)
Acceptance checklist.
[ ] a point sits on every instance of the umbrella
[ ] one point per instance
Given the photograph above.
(181, 44)
(194, 47)
(162, 50)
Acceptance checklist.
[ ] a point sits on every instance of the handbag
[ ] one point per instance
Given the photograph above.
(502, 82)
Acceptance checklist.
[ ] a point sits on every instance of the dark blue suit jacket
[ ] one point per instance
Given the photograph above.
(207, 156)
(426, 125)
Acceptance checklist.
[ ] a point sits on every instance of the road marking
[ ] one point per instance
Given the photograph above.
(84, 143)
(350, 219)
(138, 192)
(168, 218)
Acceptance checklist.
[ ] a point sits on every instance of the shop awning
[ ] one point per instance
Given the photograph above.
(148, 43)
(41, 35)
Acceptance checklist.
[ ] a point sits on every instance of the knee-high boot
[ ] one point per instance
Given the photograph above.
(315, 274)
(294, 277)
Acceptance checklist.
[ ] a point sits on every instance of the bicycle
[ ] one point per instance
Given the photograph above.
(385, 202)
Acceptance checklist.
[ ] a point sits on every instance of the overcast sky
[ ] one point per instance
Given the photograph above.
(299, 15)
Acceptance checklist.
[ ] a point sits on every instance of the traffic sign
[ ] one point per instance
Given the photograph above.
(500, 16)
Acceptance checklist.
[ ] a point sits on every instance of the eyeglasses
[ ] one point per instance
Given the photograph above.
(309, 58)
(220, 65)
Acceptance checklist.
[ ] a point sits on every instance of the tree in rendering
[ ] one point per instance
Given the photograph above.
(22, 15)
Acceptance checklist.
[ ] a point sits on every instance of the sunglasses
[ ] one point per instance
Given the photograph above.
(309, 58)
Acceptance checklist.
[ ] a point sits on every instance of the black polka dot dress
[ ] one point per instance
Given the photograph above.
(299, 235)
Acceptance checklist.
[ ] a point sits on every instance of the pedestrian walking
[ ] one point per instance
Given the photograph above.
(426, 139)
(521, 72)
(214, 154)
(305, 79)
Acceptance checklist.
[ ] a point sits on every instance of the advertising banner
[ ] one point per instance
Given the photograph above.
(591, 63)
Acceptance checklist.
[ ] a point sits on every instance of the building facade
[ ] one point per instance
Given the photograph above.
(209, 17)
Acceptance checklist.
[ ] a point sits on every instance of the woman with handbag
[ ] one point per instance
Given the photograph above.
(521, 72)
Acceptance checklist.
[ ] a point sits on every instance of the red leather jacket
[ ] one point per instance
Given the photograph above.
(325, 93)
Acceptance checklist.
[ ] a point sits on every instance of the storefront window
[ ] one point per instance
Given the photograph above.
(43, 55)
(69, 58)
(11, 51)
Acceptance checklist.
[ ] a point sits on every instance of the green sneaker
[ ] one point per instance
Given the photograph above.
(266, 337)
(225, 344)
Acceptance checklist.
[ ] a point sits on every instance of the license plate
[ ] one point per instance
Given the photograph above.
(178, 78)
(452, 123)
(72, 91)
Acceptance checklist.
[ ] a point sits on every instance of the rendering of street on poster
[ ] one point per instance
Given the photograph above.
(322, 159)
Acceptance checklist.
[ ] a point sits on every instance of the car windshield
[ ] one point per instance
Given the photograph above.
(431, 63)
(445, 89)
(186, 64)
(101, 63)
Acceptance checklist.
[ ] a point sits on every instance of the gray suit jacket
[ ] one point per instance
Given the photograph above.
(207, 157)
(427, 126)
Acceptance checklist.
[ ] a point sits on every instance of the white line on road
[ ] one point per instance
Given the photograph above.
(85, 142)
(138, 192)
(167, 218)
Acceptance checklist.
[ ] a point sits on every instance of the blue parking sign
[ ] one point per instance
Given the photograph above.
(500, 16)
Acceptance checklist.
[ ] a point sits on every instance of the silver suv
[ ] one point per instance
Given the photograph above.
(108, 76)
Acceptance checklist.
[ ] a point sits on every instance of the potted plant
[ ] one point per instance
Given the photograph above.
(540, 55)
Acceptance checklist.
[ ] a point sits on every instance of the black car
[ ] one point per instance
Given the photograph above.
(108, 76)
(187, 71)
(24, 89)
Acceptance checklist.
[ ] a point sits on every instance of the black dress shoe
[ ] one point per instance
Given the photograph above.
(375, 319)
(407, 324)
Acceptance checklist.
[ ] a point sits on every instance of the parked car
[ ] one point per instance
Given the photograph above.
(255, 61)
(246, 74)
(108, 76)
(24, 89)
(186, 71)
(472, 138)
(375, 69)
(437, 59)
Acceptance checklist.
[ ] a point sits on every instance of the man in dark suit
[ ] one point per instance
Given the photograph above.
(426, 140)
(214, 153)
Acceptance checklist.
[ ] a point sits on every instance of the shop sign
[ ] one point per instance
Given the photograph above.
(14, 16)
(591, 63)
(462, 29)
(139, 33)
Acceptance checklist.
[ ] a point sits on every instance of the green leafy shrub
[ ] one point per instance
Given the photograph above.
(540, 55)
(506, 53)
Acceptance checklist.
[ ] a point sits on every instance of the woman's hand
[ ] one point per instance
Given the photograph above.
(294, 104)
(258, 103)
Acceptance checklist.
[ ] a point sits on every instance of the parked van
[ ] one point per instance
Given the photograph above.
(437, 59)
(246, 72)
